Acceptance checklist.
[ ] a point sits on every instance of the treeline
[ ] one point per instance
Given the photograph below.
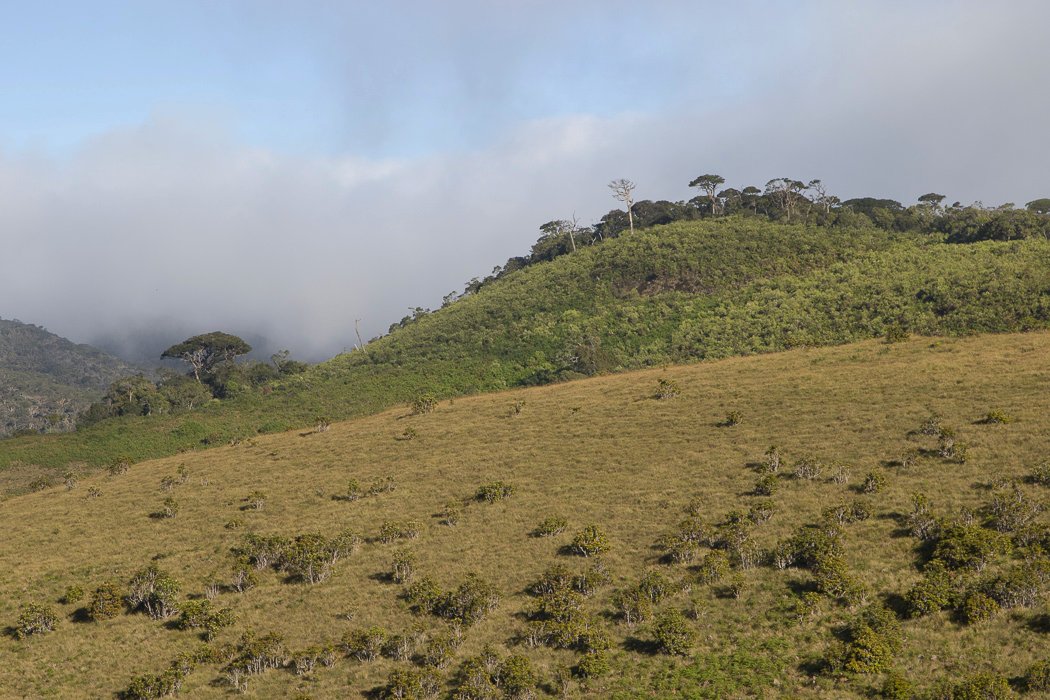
(782, 200)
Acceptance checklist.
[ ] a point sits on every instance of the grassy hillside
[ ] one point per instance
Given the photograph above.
(601, 451)
(45, 379)
(677, 293)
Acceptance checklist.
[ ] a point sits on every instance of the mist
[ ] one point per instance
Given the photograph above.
(144, 233)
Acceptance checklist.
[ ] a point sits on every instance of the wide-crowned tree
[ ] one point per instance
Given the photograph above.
(205, 352)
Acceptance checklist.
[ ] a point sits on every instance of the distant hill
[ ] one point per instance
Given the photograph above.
(45, 379)
(678, 293)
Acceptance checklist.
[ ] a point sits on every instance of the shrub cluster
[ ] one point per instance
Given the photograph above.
(551, 526)
(872, 639)
(34, 619)
(202, 615)
(467, 604)
(155, 592)
(495, 491)
(590, 541)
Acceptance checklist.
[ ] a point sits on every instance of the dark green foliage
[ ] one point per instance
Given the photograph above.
(833, 578)
(204, 353)
(593, 664)
(470, 601)
(714, 567)
(633, 605)
(672, 632)
(761, 511)
(1012, 509)
(440, 650)
(424, 596)
(1020, 586)
(590, 541)
(976, 686)
(493, 492)
(846, 513)
(150, 686)
(155, 592)
(874, 482)
(310, 557)
(920, 522)
(656, 586)
(107, 601)
(262, 551)
(253, 654)
(932, 593)
(35, 619)
(961, 546)
(203, 616)
(873, 638)
(767, 485)
(517, 678)
(593, 578)
(393, 530)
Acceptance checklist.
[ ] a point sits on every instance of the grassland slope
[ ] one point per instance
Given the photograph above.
(603, 452)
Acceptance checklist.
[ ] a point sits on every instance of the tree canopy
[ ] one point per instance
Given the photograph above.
(205, 352)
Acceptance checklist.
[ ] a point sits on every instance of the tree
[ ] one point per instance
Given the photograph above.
(785, 193)
(1039, 206)
(821, 196)
(205, 352)
(622, 189)
(559, 228)
(709, 184)
(931, 200)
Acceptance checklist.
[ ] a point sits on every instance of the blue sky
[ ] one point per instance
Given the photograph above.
(333, 161)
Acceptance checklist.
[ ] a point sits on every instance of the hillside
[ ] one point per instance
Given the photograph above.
(606, 452)
(45, 379)
(677, 293)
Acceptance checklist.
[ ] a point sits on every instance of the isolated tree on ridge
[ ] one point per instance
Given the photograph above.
(709, 184)
(205, 352)
(622, 189)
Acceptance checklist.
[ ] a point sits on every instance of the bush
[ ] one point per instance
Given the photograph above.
(555, 578)
(496, 491)
(920, 521)
(1013, 510)
(155, 592)
(152, 686)
(896, 687)
(874, 482)
(470, 601)
(439, 651)
(1041, 474)
(392, 530)
(1019, 587)
(772, 460)
(672, 632)
(169, 508)
(590, 541)
(201, 615)
(1037, 677)
(73, 595)
(424, 596)
(808, 468)
(846, 513)
(424, 403)
(451, 514)
(593, 665)
(107, 601)
(402, 566)
(119, 466)
(656, 586)
(551, 526)
(592, 579)
(996, 417)
(766, 485)
(366, 644)
(353, 490)
(252, 655)
(667, 389)
(978, 607)
(516, 677)
(932, 593)
(255, 500)
(382, 485)
(714, 567)
(633, 605)
(978, 686)
(873, 638)
(35, 618)
(961, 546)
(732, 418)
(761, 511)
(833, 579)
(413, 684)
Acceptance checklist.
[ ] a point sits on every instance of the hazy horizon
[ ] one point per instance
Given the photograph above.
(278, 172)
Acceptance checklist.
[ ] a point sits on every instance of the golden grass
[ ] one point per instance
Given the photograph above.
(594, 451)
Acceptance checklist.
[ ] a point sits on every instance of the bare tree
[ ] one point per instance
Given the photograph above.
(622, 189)
(821, 197)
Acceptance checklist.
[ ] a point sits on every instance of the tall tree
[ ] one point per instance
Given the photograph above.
(622, 190)
(786, 194)
(932, 201)
(205, 352)
(709, 184)
(1039, 206)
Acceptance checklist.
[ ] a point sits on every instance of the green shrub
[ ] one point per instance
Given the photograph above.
(403, 566)
(714, 567)
(656, 586)
(41, 484)
(833, 578)
(667, 389)
(424, 403)
(590, 541)
(1021, 586)
(1013, 510)
(672, 632)
(155, 592)
(353, 490)
(593, 665)
(978, 607)
(169, 508)
(732, 418)
(424, 596)
(1037, 677)
(761, 511)
(440, 650)
(151, 686)
(961, 546)
(846, 513)
(251, 655)
(874, 482)
(413, 684)
(382, 485)
(1041, 474)
(554, 578)
(516, 677)
(896, 334)
(921, 523)
(980, 686)
(808, 469)
(107, 601)
(255, 500)
(201, 615)
(35, 619)
(366, 644)
(873, 638)
(766, 485)
(996, 417)
(470, 601)
(491, 493)
(593, 578)
(94, 492)
(896, 687)
(73, 595)
(633, 605)
(932, 593)
(119, 466)
(551, 526)
(71, 478)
